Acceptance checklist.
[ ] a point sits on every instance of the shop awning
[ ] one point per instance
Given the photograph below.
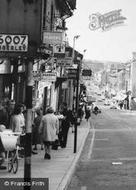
(59, 81)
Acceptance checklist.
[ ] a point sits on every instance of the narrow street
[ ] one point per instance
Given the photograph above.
(108, 160)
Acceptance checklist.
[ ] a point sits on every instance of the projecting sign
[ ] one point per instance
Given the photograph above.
(72, 73)
(13, 43)
(59, 48)
(66, 62)
(52, 37)
(50, 77)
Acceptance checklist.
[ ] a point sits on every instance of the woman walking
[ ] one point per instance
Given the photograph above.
(35, 129)
(49, 129)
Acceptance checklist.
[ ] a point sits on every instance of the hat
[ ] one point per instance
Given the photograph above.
(50, 110)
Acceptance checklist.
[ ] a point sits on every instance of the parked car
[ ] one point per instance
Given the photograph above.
(107, 103)
(113, 107)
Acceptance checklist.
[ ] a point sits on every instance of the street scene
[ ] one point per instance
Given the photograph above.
(108, 158)
(67, 94)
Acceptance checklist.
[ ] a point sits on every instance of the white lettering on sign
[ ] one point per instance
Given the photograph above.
(13, 43)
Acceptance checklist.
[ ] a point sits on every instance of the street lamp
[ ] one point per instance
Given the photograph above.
(73, 53)
(77, 92)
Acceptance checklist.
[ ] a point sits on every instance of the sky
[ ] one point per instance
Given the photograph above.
(116, 44)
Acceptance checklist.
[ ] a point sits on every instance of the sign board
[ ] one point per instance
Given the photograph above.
(59, 48)
(44, 50)
(52, 37)
(72, 73)
(13, 43)
(86, 72)
(50, 77)
(86, 77)
(66, 62)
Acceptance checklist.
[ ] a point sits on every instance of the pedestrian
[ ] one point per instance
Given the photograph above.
(65, 124)
(49, 128)
(35, 129)
(2, 150)
(121, 104)
(80, 112)
(87, 114)
(10, 111)
(3, 115)
(22, 117)
(17, 121)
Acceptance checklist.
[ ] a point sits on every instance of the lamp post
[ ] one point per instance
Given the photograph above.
(77, 93)
(73, 53)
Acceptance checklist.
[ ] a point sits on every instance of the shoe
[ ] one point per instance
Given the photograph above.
(3, 167)
(63, 146)
(47, 156)
(34, 152)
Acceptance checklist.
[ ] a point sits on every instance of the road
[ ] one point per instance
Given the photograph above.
(108, 160)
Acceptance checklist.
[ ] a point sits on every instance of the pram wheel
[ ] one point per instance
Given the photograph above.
(15, 165)
(10, 166)
(13, 162)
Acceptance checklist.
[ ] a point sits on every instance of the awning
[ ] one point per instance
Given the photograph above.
(59, 81)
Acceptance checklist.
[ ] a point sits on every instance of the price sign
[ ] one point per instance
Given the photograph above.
(13, 43)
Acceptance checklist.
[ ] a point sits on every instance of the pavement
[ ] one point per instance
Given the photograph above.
(61, 167)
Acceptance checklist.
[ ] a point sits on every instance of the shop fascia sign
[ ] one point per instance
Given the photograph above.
(13, 43)
(106, 21)
(53, 38)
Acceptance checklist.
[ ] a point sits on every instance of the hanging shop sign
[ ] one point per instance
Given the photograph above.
(13, 43)
(50, 77)
(72, 73)
(66, 62)
(59, 48)
(44, 50)
(52, 37)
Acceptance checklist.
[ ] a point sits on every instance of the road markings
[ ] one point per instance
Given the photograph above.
(83, 188)
(92, 143)
(105, 139)
(117, 163)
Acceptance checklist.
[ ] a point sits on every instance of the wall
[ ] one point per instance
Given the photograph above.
(22, 17)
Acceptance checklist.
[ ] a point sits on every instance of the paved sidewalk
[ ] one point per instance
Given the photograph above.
(60, 168)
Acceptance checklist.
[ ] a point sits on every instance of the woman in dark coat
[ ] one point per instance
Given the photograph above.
(35, 130)
(87, 114)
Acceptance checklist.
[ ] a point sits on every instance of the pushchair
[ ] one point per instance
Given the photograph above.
(12, 143)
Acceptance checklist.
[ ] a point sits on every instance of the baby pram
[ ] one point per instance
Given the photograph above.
(12, 144)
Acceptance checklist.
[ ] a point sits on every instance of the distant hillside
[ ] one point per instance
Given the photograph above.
(96, 66)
